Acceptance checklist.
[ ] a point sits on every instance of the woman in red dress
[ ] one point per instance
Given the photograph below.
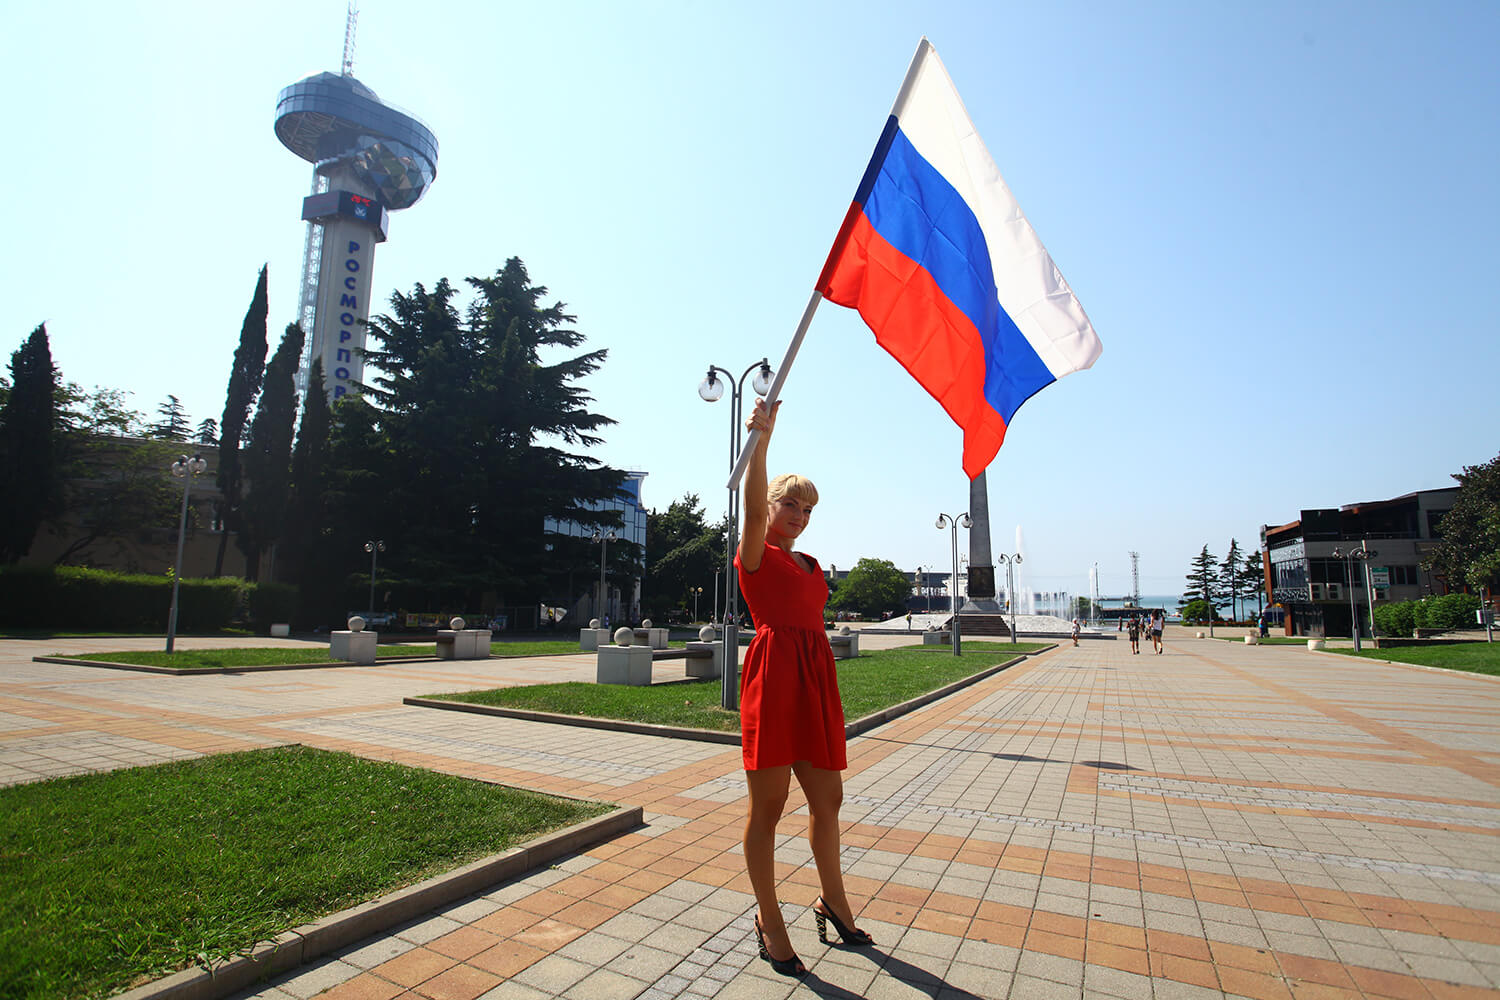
(791, 719)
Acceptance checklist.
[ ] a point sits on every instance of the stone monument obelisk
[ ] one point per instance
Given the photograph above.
(981, 590)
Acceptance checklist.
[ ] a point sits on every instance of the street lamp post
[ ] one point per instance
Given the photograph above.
(1010, 562)
(962, 521)
(185, 469)
(603, 538)
(710, 390)
(921, 590)
(1362, 555)
(374, 546)
(695, 591)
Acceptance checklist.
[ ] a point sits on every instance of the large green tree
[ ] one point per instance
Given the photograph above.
(309, 482)
(1232, 578)
(115, 483)
(1253, 576)
(1202, 580)
(172, 423)
(244, 383)
(479, 422)
(873, 587)
(683, 552)
(30, 474)
(1468, 554)
(268, 454)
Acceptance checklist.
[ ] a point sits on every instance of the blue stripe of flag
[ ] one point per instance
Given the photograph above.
(917, 211)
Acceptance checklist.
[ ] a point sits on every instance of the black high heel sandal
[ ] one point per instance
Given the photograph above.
(849, 935)
(784, 966)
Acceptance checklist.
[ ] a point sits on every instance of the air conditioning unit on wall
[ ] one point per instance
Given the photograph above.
(1335, 591)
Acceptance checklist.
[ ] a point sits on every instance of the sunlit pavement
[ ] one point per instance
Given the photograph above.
(1217, 820)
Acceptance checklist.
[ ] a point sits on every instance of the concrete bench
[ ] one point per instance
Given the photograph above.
(845, 645)
(463, 644)
(354, 645)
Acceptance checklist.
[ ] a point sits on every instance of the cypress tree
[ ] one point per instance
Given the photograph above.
(267, 456)
(244, 384)
(309, 476)
(30, 478)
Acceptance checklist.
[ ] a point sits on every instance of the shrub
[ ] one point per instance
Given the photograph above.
(270, 603)
(1397, 619)
(77, 598)
(1451, 611)
(1199, 611)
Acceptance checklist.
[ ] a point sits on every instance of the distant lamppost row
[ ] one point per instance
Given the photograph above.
(962, 521)
(603, 538)
(921, 590)
(1361, 555)
(711, 390)
(1010, 562)
(374, 546)
(185, 469)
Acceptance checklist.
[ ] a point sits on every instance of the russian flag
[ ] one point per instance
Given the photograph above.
(946, 271)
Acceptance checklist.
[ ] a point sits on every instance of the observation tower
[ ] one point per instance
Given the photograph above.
(369, 159)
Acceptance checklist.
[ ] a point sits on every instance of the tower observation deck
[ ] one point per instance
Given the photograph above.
(368, 159)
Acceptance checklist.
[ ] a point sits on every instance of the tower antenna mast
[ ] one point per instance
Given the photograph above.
(1135, 577)
(350, 21)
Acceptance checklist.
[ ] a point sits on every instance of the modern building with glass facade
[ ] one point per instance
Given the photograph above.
(619, 606)
(1313, 589)
(369, 159)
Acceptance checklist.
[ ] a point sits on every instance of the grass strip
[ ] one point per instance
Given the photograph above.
(869, 683)
(270, 656)
(222, 659)
(116, 878)
(1474, 657)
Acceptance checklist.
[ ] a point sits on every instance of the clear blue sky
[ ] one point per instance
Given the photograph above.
(1280, 217)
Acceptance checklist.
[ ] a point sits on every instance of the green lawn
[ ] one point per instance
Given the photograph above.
(1475, 657)
(874, 681)
(111, 879)
(221, 659)
(260, 656)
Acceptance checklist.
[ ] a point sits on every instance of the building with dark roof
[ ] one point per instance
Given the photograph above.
(1310, 587)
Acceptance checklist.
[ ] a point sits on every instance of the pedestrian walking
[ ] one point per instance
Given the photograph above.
(1158, 624)
(1135, 633)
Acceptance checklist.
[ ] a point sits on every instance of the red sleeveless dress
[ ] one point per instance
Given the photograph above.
(789, 690)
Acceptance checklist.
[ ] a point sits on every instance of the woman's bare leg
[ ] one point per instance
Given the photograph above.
(825, 796)
(768, 790)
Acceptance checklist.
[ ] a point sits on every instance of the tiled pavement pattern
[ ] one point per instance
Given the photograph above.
(1220, 820)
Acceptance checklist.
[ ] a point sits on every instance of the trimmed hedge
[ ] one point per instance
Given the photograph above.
(1450, 611)
(93, 600)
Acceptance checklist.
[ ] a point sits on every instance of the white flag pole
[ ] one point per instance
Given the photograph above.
(776, 382)
(812, 303)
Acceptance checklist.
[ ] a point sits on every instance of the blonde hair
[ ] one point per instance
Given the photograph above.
(792, 485)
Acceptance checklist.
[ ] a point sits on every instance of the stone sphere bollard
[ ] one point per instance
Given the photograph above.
(706, 634)
(356, 624)
(624, 636)
(1198, 636)
(844, 630)
(646, 623)
(456, 624)
(593, 623)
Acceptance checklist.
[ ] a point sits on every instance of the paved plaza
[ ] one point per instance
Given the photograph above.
(1219, 820)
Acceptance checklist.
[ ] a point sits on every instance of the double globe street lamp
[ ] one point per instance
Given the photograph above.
(961, 521)
(603, 538)
(1362, 555)
(374, 546)
(185, 469)
(1011, 562)
(711, 390)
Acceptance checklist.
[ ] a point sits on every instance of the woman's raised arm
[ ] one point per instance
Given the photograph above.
(755, 510)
